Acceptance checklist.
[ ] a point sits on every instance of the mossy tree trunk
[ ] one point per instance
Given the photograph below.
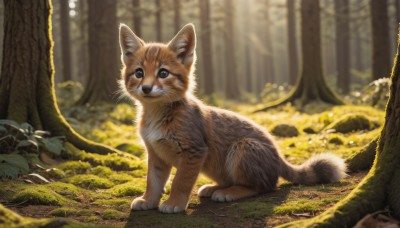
(311, 85)
(27, 75)
(381, 187)
(104, 68)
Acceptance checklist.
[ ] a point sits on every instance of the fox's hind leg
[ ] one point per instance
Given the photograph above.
(233, 193)
(252, 167)
(208, 189)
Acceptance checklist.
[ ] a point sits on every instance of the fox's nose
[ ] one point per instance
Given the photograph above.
(146, 89)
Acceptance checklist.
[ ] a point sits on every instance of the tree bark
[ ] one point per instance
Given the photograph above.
(311, 85)
(65, 40)
(292, 41)
(269, 72)
(206, 45)
(83, 42)
(232, 87)
(380, 39)
(137, 18)
(27, 75)
(103, 53)
(177, 15)
(380, 188)
(342, 45)
(158, 21)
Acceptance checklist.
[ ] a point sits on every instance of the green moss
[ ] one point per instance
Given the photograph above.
(9, 218)
(69, 211)
(310, 130)
(134, 149)
(111, 214)
(255, 209)
(66, 189)
(55, 173)
(138, 173)
(91, 181)
(131, 188)
(102, 171)
(351, 122)
(75, 167)
(117, 162)
(91, 219)
(149, 219)
(39, 195)
(120, 178)
(285, 130)
(336, 139)
(298, 206)
(112, 202)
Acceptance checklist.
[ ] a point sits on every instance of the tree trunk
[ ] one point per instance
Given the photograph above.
(103, 53)
(83, 42)
(177, 15)
(232, 87)
(206, 45)
(311, 85)
(381, 187)
(249, 72)
(137, 18)
(292, 41)
(269, 72)
(27, 75)
(158, 21)
(380, 39)
(342, 45)
(65, 40)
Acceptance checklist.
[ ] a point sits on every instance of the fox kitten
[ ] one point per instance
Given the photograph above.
(179, 130)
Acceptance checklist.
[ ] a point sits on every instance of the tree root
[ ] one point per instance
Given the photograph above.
(363, 159)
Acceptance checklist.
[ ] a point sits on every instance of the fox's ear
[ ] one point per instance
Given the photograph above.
(184, 45)
(128, 41)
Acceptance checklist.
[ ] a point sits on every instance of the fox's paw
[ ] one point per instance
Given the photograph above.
(140, 204)
(222, 196)
(171, 206)
(207, 190)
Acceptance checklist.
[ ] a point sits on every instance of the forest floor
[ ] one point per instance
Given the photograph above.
(97, 189)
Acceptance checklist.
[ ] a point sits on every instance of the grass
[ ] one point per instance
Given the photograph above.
(98, 189)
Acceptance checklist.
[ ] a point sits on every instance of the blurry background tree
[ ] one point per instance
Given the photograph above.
(342, 27)
(292, 41)
(381, 64)
(311, 86)
(65, 40)
(244, 49)
(103, 52)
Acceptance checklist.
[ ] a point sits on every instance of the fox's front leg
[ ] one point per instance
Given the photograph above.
(182, 185)
(157, 175)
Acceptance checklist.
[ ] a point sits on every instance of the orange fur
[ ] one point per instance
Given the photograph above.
(179, 130)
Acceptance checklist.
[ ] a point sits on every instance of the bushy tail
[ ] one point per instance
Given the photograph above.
(323, 168)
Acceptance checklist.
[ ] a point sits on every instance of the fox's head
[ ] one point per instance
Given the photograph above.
(155, 72)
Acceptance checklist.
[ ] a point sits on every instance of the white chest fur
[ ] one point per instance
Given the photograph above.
(160, 140)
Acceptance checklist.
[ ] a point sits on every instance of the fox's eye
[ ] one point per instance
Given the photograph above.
(139, 73)
(163, 73)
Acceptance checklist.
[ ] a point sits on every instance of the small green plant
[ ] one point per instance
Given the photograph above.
(20, 146)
